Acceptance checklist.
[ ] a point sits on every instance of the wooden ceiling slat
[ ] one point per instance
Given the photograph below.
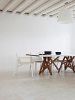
(36, 1)
(48, 6)
(8, 5)
(19, 6)
(57, 10)
(73, 11)
(42, 5)
(51, 7)
(56, 14)
(72, 7)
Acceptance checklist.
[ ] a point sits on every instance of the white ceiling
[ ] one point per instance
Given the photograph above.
(36, 7)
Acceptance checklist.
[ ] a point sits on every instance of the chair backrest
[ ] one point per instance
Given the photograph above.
(22, 59)
(18, 59)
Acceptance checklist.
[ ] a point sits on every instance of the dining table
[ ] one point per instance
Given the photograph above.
(49, 60)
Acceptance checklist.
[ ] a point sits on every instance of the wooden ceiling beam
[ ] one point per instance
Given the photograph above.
(72, 7)
(53, 11)
(42, 5)
(56, 14)
(8, 5)
(73, 11)
(19, 6)
(57, 10)
(36, 1)
(51, 7)
(74, 15)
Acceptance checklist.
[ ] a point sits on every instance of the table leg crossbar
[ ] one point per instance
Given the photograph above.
(67, 62)
(47, 64)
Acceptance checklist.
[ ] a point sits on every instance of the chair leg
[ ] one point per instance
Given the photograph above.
(40, 64)
(15, 72)
(35, 66)
(30, 67)
(32, 70)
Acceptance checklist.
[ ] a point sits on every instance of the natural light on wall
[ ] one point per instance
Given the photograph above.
(65, 16)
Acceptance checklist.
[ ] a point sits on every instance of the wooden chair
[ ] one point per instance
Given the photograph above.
(23, 61)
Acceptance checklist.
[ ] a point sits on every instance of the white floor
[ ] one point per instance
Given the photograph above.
(41, 87)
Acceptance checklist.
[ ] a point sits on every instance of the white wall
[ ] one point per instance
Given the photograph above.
(73, 38)
(25, 34)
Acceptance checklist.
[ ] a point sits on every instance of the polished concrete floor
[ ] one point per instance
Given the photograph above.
(41, 87)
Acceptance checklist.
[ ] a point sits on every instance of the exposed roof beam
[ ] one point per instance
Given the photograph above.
(57, 10)
(73, 11)
(73, 15)
(42, 5)
(19, 6)
(52, 7)
(36, 1)
(53, 11)
(73, 7)
(54, 15)
(8, 5)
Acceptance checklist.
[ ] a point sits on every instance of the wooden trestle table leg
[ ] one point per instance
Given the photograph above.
(47, 62)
